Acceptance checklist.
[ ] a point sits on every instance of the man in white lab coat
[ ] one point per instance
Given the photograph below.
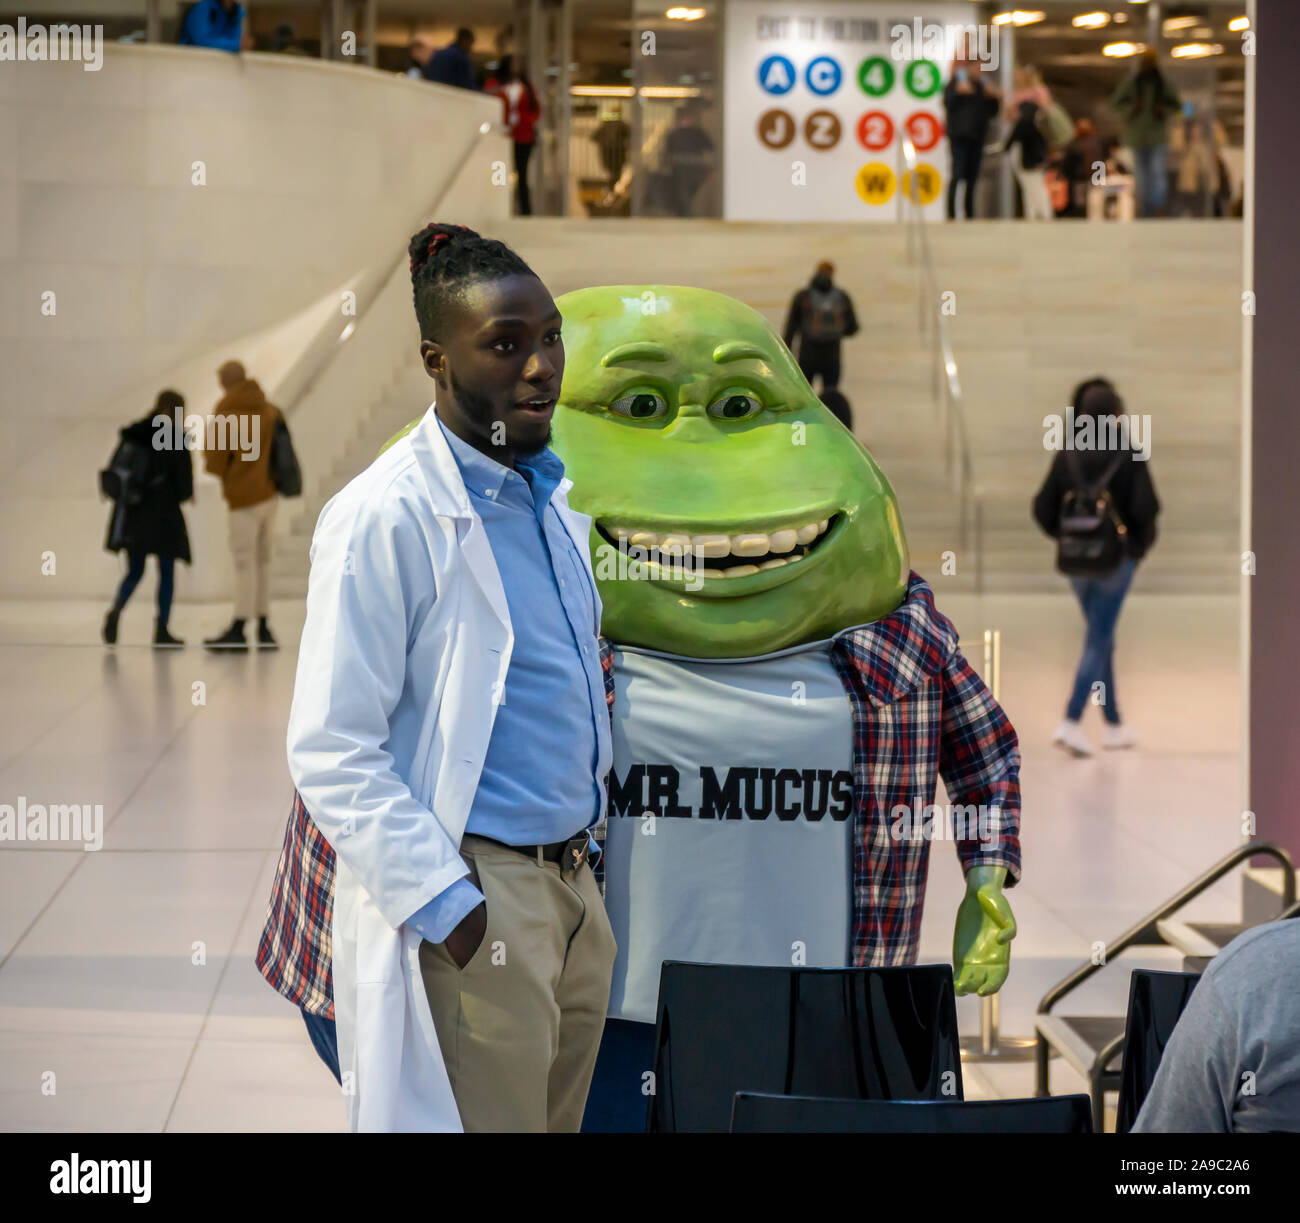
(449, 733)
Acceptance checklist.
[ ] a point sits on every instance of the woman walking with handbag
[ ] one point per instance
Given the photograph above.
(1100, 506)
(148, 483)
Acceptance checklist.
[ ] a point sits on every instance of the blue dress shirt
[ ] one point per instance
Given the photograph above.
(543, 775)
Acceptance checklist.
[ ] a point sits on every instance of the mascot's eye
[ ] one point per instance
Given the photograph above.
(735, 406)
(640, 405)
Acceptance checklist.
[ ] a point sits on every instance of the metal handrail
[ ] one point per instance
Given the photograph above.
(934, 324)
(1138, 932)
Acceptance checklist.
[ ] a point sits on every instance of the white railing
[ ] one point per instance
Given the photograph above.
(945, 382)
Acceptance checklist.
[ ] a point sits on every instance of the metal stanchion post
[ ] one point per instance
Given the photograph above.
(990, 1045)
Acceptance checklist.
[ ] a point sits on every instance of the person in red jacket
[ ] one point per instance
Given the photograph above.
(522, 110)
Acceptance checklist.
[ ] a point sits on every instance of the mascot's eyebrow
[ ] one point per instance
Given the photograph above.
(640, 350)
(739, 350)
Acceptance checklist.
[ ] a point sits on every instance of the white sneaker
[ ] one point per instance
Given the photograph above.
(1117, 737)
(1069, 735)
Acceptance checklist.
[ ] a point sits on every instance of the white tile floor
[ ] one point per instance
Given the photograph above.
(128, 995)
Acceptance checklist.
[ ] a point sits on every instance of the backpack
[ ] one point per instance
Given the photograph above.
(1091, 539)
(286, 475)
(823, 316)
(126, 478)
(1055, 125)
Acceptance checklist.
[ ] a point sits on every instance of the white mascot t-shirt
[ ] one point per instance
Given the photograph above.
(747, 767)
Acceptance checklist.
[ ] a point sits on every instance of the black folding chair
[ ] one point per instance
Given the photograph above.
(1155, 1002)
(864, 1033)
(753, 1113)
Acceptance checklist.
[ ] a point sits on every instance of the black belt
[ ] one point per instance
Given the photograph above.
(570, 853)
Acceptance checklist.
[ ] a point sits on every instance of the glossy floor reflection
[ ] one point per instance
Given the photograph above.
(128, 995)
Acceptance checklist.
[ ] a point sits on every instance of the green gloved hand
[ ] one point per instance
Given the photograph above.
(981, 939)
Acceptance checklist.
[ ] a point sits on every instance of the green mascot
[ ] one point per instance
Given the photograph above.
(786, 693)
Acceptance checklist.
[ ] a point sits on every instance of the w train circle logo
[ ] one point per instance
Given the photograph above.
(875, 183)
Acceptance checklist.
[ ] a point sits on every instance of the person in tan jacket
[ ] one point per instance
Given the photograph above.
(240, 455)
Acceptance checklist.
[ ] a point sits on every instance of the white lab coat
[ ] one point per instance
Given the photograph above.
(403, 660)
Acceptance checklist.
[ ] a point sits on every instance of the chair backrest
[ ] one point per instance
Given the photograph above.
(866, 1033)
(754, 1113)
(1155, 1001)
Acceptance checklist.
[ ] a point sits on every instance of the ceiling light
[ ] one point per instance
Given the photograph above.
(1090, 21)
(684, 14)
(1239, 23)
(1196, 50)
(1019, 17)
(1121, 50)
(1120, 18)
(1171, 24)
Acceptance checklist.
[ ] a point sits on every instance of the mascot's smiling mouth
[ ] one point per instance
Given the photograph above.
(725, 557)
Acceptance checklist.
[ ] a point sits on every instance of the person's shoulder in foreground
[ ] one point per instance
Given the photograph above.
(1233, 1062)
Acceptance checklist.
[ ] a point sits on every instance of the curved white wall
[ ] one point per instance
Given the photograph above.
(314, 176)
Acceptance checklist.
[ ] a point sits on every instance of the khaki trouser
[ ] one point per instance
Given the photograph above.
(250, 546)
(520, 1025)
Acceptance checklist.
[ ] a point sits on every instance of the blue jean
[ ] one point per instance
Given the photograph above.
(135, 571)
(1152, 179)
(1101, 600)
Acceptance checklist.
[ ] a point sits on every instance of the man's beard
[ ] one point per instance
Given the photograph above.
(480, 408)
(477, 406)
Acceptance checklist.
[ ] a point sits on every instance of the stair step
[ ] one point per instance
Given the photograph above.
(1201, 940)
(1080, 1038)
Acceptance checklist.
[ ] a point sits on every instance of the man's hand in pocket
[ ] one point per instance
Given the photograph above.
(465, 939)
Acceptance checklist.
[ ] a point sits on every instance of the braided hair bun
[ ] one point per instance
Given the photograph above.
(447, 258)
(432, 240)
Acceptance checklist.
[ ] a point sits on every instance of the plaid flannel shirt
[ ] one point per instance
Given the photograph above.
(919, 712)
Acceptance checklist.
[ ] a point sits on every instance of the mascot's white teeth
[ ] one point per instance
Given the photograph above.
(749, 544)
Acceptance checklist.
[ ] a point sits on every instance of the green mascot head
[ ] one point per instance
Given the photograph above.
(732, 514)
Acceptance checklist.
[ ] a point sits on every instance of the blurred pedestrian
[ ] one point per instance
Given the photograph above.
(149, 476)
(214, 23)
(521, 113)
(1100, 504)
(452, 65)
(820, 317)
(969, 106)
(1147, 102)
(243, 426)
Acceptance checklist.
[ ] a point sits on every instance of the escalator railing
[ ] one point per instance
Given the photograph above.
(945, 383)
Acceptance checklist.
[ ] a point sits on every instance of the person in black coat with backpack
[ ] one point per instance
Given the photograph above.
(820, 315)
(1101, 507)
(148, 483)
